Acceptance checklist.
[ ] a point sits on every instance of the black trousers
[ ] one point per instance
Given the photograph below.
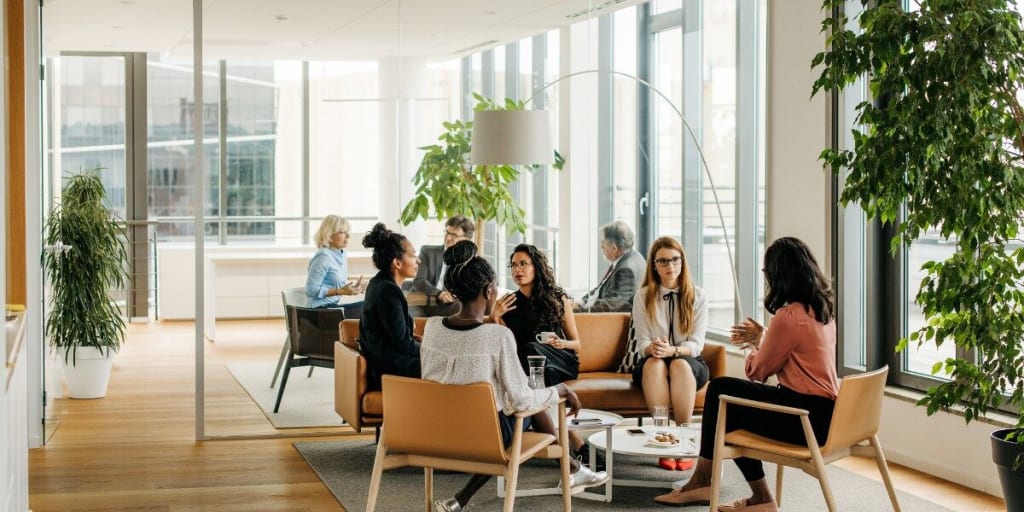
(773, 425)
(560, 365)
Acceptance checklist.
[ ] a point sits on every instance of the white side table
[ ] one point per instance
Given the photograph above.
(606, 421)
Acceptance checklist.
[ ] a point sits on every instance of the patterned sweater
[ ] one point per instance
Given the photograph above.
(484, 353)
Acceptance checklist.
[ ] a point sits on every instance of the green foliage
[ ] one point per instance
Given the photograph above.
(81, 311)
(941, 149)
(447, 185)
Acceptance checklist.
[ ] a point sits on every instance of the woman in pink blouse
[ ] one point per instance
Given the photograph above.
(799, 349)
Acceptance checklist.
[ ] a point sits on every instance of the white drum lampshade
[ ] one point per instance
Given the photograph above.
(511, 137)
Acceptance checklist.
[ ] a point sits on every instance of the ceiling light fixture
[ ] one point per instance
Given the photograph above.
(475, 47)
(585, 12)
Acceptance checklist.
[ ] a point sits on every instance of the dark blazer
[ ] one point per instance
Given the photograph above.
(385, 332)
(431, 259)
(615, 291)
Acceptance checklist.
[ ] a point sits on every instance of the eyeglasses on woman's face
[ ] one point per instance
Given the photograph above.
(664, 262)
(519, 264)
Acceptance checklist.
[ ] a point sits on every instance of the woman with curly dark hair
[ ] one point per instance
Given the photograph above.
(540, 316)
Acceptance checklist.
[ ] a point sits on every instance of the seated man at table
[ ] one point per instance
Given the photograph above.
(430, 277)
(623, 276)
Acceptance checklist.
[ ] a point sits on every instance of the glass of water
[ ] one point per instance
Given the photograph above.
(659, 413)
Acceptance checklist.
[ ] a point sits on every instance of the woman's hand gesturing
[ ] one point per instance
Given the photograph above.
(502, 306)
(747, 334)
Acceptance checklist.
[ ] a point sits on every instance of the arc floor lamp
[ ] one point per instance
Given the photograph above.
(523, 137)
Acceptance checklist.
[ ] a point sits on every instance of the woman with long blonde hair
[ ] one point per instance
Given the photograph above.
(670, 321)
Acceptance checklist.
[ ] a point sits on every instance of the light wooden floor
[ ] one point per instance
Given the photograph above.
(135, 451)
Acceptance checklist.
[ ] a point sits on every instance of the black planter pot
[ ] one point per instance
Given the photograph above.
(1003, 454)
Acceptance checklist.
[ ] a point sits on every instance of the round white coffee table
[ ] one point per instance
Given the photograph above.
(618, 441)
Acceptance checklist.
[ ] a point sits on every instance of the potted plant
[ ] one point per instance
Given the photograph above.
(447, 185)
(85, 260)
(942, 147)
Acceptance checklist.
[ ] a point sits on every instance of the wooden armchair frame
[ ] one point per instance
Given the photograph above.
(853, 431)
(455, 428)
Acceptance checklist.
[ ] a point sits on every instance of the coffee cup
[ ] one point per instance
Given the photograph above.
(544, 337)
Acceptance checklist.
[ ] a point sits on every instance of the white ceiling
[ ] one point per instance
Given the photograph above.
(308, 29)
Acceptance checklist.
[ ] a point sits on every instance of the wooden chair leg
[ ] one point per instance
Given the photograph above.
(511, 480)
(563, 439)
(378, 469)
(778, 484)
(512, 471)
(819, 468)
(716, 460)
(883, 468)
(428, 488)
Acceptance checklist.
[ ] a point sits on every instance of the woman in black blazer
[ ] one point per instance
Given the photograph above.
(385, 330)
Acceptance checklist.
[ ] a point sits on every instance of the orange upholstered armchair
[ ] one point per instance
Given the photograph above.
(358, 406)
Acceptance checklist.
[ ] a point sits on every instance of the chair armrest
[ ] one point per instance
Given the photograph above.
(726, 399)
(531, 412)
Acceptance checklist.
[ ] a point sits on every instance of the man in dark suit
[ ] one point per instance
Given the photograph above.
(430, 277)
(624, 275)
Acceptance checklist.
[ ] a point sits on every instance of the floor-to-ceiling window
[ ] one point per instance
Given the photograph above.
(297, 133)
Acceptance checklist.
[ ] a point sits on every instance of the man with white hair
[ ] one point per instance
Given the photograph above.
(623, 277)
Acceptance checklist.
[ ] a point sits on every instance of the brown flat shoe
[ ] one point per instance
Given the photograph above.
(679, 498)
(740, 505)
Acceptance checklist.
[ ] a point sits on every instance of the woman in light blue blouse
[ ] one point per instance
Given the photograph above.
(327, 279)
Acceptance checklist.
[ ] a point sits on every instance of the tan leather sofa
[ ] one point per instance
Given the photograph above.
(599, 386)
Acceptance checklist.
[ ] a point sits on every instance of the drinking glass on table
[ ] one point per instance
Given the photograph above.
(537, 377)
(659, 413)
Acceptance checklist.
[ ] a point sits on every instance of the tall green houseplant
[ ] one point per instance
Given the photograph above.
(941, 146)
(447, 185)
(93, 261)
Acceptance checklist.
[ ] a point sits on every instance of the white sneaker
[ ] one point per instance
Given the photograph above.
(584, 477)
(448, 505)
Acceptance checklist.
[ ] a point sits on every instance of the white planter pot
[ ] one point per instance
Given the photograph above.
(88, 376)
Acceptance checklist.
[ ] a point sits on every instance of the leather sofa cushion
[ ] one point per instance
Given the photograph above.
(608, 391)
(615, 392)
(603, 336)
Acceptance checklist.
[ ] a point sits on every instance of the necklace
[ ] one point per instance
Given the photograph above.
(460, 317)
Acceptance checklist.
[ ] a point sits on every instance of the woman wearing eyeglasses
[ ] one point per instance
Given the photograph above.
(799, 348)
(669, 321)
(327, 275)
(540, 306)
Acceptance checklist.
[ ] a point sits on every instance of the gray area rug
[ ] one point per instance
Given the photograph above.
(345, 467)
(307, 401)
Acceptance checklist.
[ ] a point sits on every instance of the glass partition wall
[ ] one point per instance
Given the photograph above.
(295, 128)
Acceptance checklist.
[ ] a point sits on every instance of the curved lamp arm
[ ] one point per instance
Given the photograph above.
(496, 134)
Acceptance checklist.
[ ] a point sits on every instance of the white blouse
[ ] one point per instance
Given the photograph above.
(646, 330)
(486, 353)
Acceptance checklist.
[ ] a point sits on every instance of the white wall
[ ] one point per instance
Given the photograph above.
(797, 188)
(798, 205)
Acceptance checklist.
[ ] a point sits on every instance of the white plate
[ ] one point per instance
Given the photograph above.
(660, 444)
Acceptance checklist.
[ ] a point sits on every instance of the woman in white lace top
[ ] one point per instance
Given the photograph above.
(461, 349)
